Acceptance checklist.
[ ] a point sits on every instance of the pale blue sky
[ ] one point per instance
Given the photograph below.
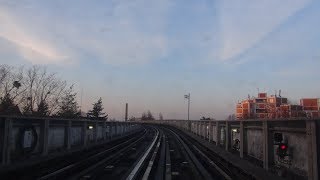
(150, 53)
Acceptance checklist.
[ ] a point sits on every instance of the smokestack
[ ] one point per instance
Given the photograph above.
(126, 117)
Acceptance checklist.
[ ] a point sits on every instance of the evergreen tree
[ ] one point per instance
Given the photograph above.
(150, 116)
(144, 116)
(68, 107)
(43, 109)
(8, 107)
(160, 116)
(96, 111)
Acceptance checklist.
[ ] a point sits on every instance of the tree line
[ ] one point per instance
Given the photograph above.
(34, 91)
(146, 116)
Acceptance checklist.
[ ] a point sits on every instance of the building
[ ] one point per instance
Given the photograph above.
(245, 109)
(272, 107)
(291, 111)
(311, 106)
(274, 104)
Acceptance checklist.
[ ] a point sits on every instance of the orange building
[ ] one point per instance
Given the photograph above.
(311, 106)
(291, 111)
(271, 107)
(245, 109)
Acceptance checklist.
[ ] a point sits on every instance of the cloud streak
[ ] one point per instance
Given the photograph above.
(243, 24)
(27, 45)
(125, 33)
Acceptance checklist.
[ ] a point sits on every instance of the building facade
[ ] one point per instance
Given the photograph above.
(272, 107)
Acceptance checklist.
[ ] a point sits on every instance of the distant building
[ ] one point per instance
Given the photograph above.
(271, 107)
(311, 106)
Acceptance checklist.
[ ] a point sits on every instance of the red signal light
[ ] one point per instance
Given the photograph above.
(282, 150)
(283, 147)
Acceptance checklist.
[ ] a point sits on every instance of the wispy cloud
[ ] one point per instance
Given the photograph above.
(125, 32)
(243, 24)
(29, 46)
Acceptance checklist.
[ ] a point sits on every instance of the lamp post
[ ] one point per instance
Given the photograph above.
(187, 96)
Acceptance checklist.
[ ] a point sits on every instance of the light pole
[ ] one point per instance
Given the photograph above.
(188, 97)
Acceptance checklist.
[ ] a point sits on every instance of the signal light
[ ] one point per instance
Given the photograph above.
(283, 147)
(282, 150)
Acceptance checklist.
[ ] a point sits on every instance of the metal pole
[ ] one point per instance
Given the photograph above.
(188, 105)
(126, 115)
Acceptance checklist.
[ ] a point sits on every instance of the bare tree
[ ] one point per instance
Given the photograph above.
(10, 89)
(42, 88)
(36, 91)
(11, 80)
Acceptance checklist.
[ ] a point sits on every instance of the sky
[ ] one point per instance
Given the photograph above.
(150, 53)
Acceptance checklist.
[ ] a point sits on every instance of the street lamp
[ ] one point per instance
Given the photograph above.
(187, 96)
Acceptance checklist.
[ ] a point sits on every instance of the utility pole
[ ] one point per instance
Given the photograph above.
(188, 97)
(126, 116)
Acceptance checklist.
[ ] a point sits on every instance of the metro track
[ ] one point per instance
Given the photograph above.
(157, 152)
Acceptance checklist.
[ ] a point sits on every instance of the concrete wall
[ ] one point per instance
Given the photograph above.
(255, 143)
(76, 135)
(17, 135)
(56, 138)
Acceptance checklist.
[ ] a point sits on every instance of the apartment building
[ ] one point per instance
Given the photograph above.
(271, 107)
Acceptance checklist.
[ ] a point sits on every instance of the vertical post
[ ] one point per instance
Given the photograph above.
(126, 116)
(204, 130)
(218, 133)
(95, 132)
(68, 134)
(191, 125)
(6, 141)
(110, 130)
(84, 134)
(116, 128)
(241, 139)
(193, 128)
(198, 128)
(227, 135)
(104, 130)
(210, 131)
(45, 136)
(267, 145)
(312, 150)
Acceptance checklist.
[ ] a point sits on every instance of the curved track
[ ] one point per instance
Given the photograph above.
(157, 152)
